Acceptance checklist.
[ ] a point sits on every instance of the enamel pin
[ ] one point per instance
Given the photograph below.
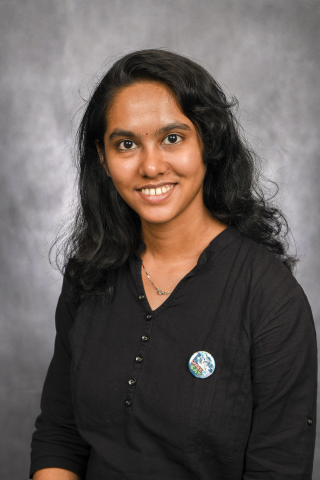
(202, 364)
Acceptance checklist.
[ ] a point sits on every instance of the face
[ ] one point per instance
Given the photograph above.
(153, 153)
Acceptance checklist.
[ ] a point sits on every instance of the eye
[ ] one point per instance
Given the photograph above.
(172, 139)
(126, 145)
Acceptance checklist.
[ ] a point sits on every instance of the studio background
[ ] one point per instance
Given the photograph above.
(266, 52)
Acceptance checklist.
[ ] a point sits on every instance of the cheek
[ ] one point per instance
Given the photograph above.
(122, 173)
(190, 165)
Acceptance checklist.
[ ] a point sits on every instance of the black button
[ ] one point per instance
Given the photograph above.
(128, 403)
(144, 338)
(309, 422)
(139, 359)
(148, 317)
(132, 381)
(141, 297)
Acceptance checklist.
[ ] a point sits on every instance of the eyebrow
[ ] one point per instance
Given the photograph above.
(171, 126)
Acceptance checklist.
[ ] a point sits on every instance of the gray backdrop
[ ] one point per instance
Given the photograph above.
(265, 52)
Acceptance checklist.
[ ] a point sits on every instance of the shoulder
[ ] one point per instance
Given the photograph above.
(264, 266)
(271, 285)
(254, 262)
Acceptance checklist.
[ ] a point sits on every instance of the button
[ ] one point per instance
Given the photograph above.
(148, 317)
(141, 297)
(144, 338)
(132, 381)
(309, 422)
(128, 403)
(202, 364)
(139, 359)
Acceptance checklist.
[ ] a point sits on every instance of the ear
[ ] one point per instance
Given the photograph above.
(102, 158)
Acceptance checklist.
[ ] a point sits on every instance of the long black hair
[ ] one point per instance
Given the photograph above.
(106, 230)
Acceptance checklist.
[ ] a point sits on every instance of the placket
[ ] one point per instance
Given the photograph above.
(140, 354)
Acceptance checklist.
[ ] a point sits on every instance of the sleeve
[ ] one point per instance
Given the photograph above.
(284, 380)
(56, 443)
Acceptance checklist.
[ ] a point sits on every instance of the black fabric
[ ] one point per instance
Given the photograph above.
(253, 418)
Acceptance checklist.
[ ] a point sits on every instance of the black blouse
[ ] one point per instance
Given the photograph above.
(119, 401)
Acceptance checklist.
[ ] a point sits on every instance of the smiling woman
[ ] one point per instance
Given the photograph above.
(185, 347)
(159, 144)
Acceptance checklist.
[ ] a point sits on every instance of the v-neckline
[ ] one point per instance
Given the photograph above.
(201, 261)
(168, 300)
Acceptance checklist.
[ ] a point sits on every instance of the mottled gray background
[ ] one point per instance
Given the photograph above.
(265, 52)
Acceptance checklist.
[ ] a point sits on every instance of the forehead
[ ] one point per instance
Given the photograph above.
(146, 102)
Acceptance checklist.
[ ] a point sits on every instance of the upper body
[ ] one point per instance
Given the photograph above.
(249, 420)
(175, 253)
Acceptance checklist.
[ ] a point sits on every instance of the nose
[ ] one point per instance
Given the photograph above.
(152, 163)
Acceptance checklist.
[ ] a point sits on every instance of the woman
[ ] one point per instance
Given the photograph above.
(190, 345)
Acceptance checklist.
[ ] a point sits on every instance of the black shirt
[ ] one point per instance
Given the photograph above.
(134, 411)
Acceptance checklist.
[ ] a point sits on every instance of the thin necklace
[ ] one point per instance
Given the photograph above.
(159, 292)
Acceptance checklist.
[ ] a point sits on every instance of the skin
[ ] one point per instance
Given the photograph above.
(54, 474)
(148, 141)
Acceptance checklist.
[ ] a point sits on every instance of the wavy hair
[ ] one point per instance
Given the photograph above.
(106, 230)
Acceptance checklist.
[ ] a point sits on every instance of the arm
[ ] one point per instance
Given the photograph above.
(54, 474)
(284, 379)
(56, 443)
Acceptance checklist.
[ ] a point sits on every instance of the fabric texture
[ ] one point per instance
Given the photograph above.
(107, 415)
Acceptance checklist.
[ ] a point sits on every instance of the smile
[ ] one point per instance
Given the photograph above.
(157, 191)
(157, 195)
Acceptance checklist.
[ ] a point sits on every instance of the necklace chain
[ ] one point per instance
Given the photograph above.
(159, 292)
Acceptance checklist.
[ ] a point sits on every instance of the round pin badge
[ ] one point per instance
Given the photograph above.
(202, 364)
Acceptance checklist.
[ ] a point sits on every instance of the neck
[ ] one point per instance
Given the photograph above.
(180, 238)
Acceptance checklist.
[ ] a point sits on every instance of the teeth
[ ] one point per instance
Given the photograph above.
(157, 191)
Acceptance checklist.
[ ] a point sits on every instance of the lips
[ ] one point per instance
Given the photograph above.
(155, 185)
(157, 194)
(158, 190)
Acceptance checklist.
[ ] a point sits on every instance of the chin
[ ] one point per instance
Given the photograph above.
(157, 219)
